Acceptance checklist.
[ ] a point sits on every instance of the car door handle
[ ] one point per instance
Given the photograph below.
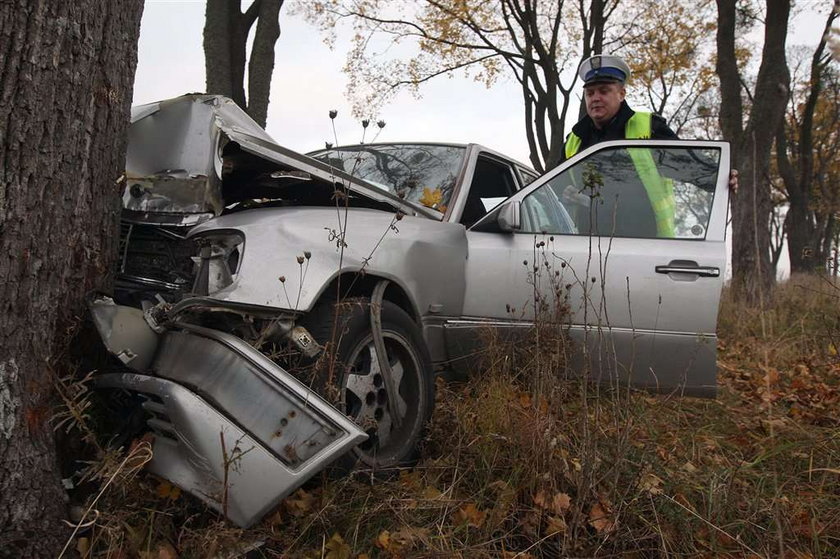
(704, 271)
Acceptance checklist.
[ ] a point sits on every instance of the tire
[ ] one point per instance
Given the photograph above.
(362, 392)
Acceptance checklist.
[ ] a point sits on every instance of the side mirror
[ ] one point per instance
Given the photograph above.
(508, 218)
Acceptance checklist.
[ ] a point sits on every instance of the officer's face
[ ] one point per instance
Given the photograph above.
(603, 101)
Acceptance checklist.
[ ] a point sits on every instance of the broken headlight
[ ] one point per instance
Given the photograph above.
(218, 260)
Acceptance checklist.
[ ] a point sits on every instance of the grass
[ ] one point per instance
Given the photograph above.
(519, 462)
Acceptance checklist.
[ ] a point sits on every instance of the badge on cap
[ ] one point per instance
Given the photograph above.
(604, 69)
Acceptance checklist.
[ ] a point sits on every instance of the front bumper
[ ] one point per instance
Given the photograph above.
(231, 427)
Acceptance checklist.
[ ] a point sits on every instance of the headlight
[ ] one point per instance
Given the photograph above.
(218, 261)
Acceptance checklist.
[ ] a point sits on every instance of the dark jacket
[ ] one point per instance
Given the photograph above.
(638, 219)
(589, 135)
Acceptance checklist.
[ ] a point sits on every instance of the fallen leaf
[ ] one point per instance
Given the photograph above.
(383, 540)
(300, 503)
(337, 548)
(561, 503)
(689, 467)
(411, 480)
(409, 536)
(651, 483)
(166, 551)
(83, 547)
(772, 376)
(470, 515)
(162, 551)
(166, 490)
(601, 519)
(431, 198)
(558, 504)
(431, 493)
(540, 499)
(556, 525)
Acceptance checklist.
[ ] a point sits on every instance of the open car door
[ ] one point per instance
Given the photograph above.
(633, 233)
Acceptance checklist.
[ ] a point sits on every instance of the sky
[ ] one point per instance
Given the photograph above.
(308, 82)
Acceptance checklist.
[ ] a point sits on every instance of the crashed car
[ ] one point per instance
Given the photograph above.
(276, 312)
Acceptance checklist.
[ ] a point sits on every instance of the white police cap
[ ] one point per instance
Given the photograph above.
(604, 68)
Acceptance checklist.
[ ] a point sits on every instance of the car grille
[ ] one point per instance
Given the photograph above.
(155, 258)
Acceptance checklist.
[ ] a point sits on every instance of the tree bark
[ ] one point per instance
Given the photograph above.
(752, 270)
(65, 89)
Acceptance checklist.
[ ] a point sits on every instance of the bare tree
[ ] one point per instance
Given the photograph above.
(752, 139)
(65, 89)
(533, 42)
(806, 148)
(226, 30)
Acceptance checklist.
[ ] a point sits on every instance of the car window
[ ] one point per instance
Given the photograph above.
(639, 192)
(527, 176)
(422, 173)
(493, 182)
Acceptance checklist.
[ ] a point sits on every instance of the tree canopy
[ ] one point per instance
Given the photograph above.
(403, 44)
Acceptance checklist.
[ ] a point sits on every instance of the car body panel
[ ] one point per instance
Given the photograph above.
(424, 257)
(230, 426)
(658, 330)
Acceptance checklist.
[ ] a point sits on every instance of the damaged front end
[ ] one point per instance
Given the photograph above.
(197, 157)
(230, 426)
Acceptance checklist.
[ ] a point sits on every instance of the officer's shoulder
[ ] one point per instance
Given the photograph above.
(659, 128)
(658, 118)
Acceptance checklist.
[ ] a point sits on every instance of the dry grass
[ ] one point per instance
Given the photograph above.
(520, 463)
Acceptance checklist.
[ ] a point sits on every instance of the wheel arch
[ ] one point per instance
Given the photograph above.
(359, 284)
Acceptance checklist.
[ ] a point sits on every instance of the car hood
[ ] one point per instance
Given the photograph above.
(190, 157)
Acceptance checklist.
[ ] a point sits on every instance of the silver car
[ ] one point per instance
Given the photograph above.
(277, 312)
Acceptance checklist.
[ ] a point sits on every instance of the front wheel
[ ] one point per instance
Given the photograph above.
(395, 422)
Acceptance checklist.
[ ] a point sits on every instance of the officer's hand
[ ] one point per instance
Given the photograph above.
(733, 180)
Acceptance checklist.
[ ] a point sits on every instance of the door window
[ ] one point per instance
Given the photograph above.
(641, 192)
(492, 183)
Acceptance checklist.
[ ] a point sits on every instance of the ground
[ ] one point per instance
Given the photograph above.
(520, 462)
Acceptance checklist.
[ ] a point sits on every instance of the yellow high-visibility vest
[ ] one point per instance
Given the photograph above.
(660, 190)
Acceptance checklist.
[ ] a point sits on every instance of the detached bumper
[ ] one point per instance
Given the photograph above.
(231, 427)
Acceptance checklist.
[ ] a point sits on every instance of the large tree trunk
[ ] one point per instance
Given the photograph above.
(226, 31)
(752, 271)
(805, 238)
(65, 89)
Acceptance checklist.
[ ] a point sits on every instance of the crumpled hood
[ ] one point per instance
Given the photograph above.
(179, 153)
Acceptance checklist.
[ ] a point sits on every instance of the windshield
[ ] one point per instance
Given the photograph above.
(424, 174)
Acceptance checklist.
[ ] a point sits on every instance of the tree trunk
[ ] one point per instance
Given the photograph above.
(752, 271)
(65, 89)
(805, 239)
(261, 64)
(226, 31)
(593, 36)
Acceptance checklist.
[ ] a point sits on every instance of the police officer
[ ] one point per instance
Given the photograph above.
(608, 116)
